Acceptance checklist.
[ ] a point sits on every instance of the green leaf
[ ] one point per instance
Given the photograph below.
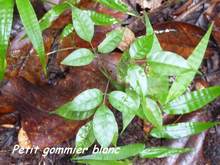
(87, 100)
(73, 2)
(83, 24)
(123, 153)
(79, 57)
(123, 102)
(149, 28)
(114, 4)
(137, 79)
(195, 60)
(150, 31)
(141, 47)
(140, 113)
(85, 137)
(115, 138)
(47, 20)
(192, 101)
(152, 112)
(67, 112)
(128, 116)
(82, 107)
(111, 41)
(104, 126)
(127, 119)
(158, 87)
(105, 162)
(161, 152)
(32, 28)
(167, 63)
(6, 18)
(101, 19)
(122, 67)
(67, 30)
(181, 130)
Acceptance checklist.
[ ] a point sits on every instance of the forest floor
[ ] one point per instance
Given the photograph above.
(199, 13)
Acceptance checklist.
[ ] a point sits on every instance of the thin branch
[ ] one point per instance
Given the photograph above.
(106, 91)
(60, 50)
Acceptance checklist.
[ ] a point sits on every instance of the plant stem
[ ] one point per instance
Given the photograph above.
(106, 91)
(60, 50)
(93, 49)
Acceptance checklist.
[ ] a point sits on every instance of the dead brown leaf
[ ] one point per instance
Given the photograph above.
(149, 4)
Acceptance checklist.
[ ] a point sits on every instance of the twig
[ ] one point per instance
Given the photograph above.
(60, 50)
(189, 11)
(106, 91)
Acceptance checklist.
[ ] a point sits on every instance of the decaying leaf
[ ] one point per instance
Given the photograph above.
(23, 139)
(23, 61)
(195, 142)
(149, 4)
(127, 39)
(181, 38)
(35, 102)
(177, 37)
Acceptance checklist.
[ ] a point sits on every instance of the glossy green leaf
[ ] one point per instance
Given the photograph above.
(87, 100)
(105, 162)
(67, 112)
(128, 116)
(161, 152)
(141, 47)
(180, 130)
(122, 67)
(194, 60)
(152, 112)
(123, 102)
(134, 96)
(140, 113)
(158, 87)
(137, 79)
(85, 136)
(32, 28)
(111, 41)
(67, 30)
(115, 138)
(73, 2)
(79, 57)
(114, 4)
(150, 31)
(167, 63)
(47, 20)
(123, 153)
(192, 101)
(127, 119)
(104, 126)
(6, 18)
(101, 19)
(83, 24)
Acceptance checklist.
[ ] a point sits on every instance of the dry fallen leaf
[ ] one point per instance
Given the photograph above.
(23, 140)
(181, 38)
(149, 4)
(127, 39)
(196, 142)
(33, 102)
